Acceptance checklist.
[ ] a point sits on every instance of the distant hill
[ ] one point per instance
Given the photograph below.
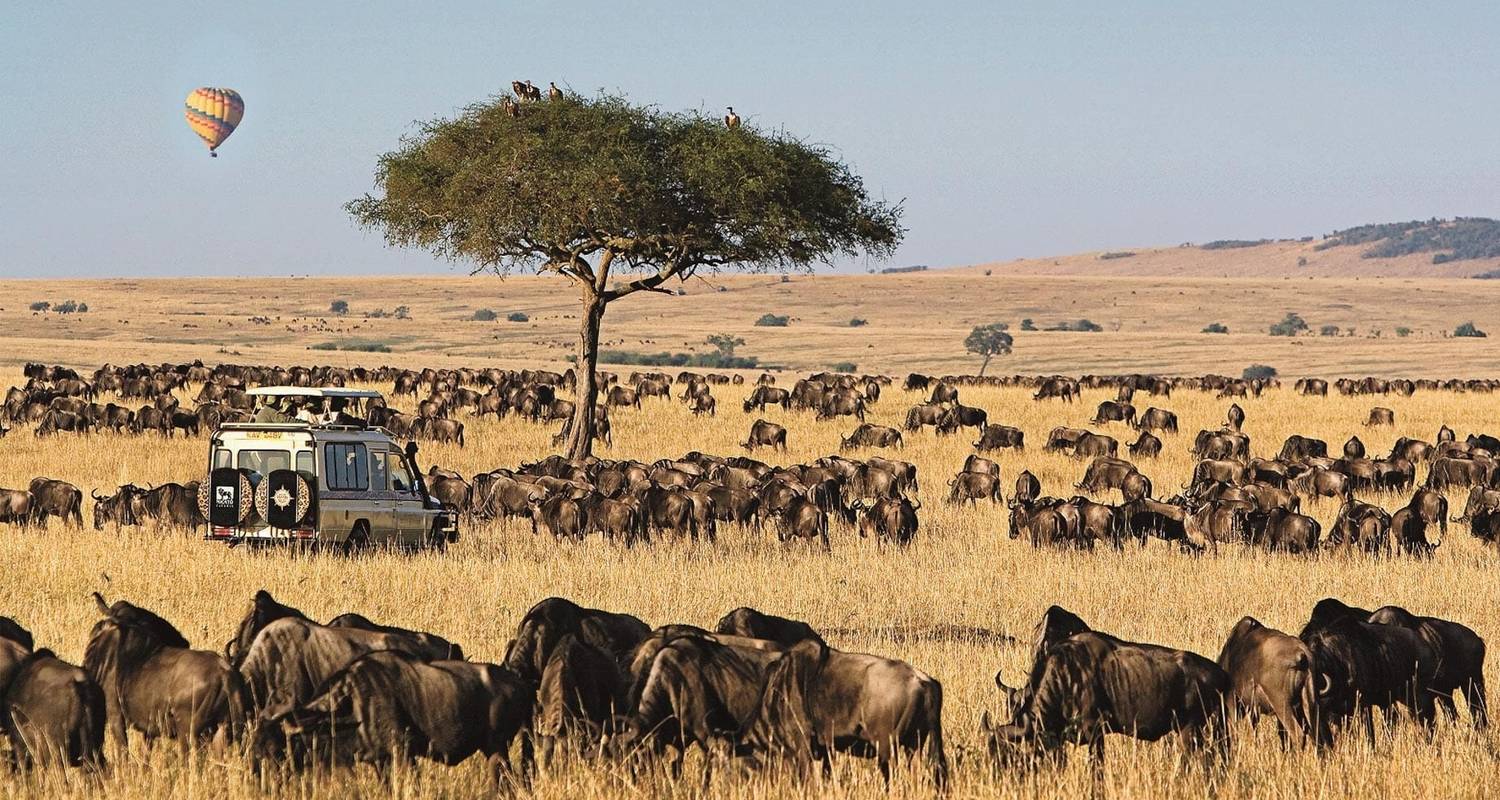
(1462, 247)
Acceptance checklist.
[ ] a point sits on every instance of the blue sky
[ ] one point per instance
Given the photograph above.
(1010, 129)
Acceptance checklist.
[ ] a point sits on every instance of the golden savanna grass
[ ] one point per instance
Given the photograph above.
(962, 570)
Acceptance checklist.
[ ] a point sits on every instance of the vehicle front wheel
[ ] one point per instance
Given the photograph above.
(437, 540)
(358, 541)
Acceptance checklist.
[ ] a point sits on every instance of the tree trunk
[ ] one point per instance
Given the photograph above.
(985, 365)
(581, 426)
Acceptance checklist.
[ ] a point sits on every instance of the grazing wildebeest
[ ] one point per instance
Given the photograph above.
(1461, 659)
(1354, 448)
(154, 682)
(54, 498)
(749, 623)
(1156, 419)
(977, 463)
(1271, 672)
(51, 711)
(765, 434)
(996, 437)
(1298, 447)
(1104, 473)
(1236, 417)
(869, 435)
(1095, 444)
(1381, 416)
(1282, 529)
(803, 518)
(581, 694)
(1146, 445)
(1091, 684)
(1064, 388)
(1114, 411)
(388, 706)
(548, 621)
(893, 518)
(1028, 488)
(16, 506)
(1363, 666)
(972, 487)
(819, 701)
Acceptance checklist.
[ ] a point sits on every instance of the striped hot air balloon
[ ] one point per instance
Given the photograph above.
(213, 114)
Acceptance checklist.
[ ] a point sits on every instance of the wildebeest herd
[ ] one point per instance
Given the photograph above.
(1232, 495)
(756, 691)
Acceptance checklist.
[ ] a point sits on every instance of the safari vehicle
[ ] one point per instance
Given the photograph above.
(325, 479)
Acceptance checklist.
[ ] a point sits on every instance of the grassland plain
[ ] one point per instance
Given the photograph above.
(962, 570)
(914, 321)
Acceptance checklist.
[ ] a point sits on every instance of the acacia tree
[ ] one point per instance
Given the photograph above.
(618, 198)
(988, 341)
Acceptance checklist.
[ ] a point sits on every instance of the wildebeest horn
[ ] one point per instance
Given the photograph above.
(94, 493)
(103, 606)
(1327, 687)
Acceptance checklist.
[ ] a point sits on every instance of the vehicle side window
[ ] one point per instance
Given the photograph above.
(400, 477)
(347, 466)
(377, 472)
(305, 462)
(223, 458)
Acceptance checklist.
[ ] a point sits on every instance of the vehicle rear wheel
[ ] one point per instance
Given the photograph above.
(358, 541)
(437, 540)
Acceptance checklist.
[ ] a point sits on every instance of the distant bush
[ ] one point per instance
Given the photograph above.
(844, 366)
(1468, 330)
(1301, 261)
(1402, 331)
(772, 321)
(1116, 254)
(402, 312)
(1290, 325)
(1216, 327)
(714, 360)
(1258, 372)
(354, 346)
(1230, 244)
(69, 307)
(41, 305)
(1028, 325)
(340, 307)
(517, 316)
(1487, 275)
(1078, 326)
(857, 323)
(896, 270)
(1458, 239)
(378, 313)
(484, 315)
(1328, 330)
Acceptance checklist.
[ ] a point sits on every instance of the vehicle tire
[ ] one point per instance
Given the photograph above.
(437, 541)
(358, 541)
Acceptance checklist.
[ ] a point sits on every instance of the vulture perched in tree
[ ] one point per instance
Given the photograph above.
(553, 93)
(732, 120)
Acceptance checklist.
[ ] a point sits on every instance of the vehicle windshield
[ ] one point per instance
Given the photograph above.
(263, 462)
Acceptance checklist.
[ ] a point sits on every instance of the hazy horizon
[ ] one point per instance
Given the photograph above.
(1020, 130)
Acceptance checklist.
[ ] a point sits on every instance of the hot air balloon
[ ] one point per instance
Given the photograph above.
(213, 114)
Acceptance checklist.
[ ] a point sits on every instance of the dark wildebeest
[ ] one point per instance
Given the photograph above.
(1461, 659)
(751, 624)
(548, 621)
(976, 463)
(580, 695)
(1156, 419)
(1095, 444)
(1064, 388)
(1381, 416)
(1146, 445)
(1104, 473)
(1062, 438)
(818, 701)
(420, 643)
(1281, 529)
(1354, 448)
(1236, 417)
(692, 690)
(1461, 472)
(1298, 447)
(51, 711)
(1271, 672)
(154, 682)
(868, 435)
(1028, 488)
(16, 506)
(54, 498)
(996, 437)
(889, 518)
(1090, 684)
(765, 434)
(1114, 411)
(1363, 666)
(803, 518)
(388, 706)
(972, 487)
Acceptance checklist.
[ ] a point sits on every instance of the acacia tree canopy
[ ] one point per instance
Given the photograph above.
(618, 198)
(988, 341)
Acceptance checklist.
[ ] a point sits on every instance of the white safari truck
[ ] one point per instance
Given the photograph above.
(319, 477)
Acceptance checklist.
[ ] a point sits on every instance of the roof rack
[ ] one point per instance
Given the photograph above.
(314, 391)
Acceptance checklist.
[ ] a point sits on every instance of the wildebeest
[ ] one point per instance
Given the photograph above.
(581, 694)
(889, 518)
(545, 623)
(1156, 419)
(388, 706)
(54, 498)
(1381, 416)
(51, 711)
(765, 434)
(1271, 672)
(1281, 529)
(1146, 445)
(1460, 659)
(1298, 447)
(1114, 411)
(1091, 684)
(1028, 488)
(972, 487)
(996, 437)
(1363, 666)
(869, 435)
(752, 624)
(818, 701)
(154, 682)
(16, 506)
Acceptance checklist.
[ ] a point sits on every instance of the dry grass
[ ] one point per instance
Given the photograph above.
(915, 322)
(962, 570)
